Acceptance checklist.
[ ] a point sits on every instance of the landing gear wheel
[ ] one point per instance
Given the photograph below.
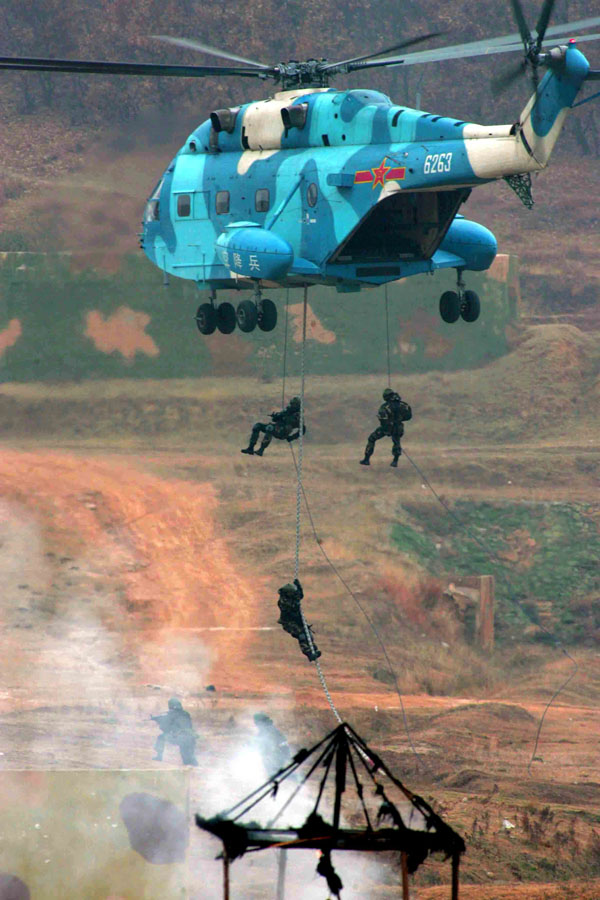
(226, 318)
(470, 307)
(247, 315)
(449, 306)
(206, 318)
(267, 315)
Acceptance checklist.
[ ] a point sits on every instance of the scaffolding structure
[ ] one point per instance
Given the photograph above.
(409, 826)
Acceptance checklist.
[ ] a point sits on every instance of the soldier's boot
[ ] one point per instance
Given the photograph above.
(265, 443)
(368, 454)
(394, 462)
(313, 653)
(253, 439)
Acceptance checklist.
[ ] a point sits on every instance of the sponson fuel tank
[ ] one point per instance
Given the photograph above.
(254, 252)
(472, 242)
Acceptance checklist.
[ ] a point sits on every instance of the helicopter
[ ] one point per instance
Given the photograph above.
(315, 185)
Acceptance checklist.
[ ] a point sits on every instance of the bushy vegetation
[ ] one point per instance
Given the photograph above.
(544, 557)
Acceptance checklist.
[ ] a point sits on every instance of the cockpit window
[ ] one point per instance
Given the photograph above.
(184, 205)
(152, 212)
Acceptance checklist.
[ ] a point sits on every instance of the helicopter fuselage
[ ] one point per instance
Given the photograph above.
(341, 187)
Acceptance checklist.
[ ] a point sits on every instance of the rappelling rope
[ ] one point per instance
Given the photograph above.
(285, 341)
(299, 492)
(370, 623)
(492, 556)
(387, 333)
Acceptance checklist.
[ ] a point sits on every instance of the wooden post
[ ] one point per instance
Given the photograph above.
(225, 874)
(455, 865)
(486, 612)
(281, 864)
(405, 888)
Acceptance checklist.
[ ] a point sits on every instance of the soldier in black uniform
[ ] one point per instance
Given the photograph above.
(272, 745)
(290, 617)
(285, 426)
(176, 728)
(392, 413)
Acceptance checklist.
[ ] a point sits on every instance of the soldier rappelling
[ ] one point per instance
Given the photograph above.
(392, 413)
(285, 426)
(290, 618)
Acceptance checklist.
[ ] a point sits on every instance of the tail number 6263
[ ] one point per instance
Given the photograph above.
(437, 162)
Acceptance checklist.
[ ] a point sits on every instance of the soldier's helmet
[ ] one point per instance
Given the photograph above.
(288, 589)
(174, 703)
(295, 403)
(262, 719)
(388, 394)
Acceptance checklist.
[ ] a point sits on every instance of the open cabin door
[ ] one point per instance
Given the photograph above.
(406, 225)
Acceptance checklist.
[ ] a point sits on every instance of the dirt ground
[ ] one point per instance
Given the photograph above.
(128, 578)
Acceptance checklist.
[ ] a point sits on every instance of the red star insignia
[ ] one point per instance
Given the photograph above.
(380, 173)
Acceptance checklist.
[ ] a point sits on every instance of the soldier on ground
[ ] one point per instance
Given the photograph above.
(392, 413)
(176, 728)
(285, 426)
(272, 745)
(290, 618)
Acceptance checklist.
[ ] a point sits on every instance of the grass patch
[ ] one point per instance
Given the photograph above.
(544, 557)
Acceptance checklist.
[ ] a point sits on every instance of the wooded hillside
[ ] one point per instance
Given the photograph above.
(267, 31)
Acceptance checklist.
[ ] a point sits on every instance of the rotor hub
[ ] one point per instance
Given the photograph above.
(302, 74)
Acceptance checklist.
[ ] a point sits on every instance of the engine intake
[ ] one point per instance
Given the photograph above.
(294, 116)
(224, 119)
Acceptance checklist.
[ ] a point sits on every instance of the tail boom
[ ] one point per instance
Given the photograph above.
(528, 144)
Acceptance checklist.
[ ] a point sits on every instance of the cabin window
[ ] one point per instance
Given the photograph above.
(261, 200)
(184, 205)
(312, 194)
(222, 202)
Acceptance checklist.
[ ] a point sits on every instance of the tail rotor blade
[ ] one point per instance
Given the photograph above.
(543, 20)
(505, 79)
(521, 23)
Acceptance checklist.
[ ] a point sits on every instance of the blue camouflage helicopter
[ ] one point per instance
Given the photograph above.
(345, 188)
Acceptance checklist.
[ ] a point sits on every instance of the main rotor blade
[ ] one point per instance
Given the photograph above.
(504, 44)
(580, 40)
(206, 48)
(573, 27)
(407, 43)
(543, 20)
(89, 67)
(521, 23)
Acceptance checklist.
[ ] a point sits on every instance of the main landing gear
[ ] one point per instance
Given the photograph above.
(249, 313)
(459, 303)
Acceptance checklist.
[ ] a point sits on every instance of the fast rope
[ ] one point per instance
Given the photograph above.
(387, 334)
(492, 556)
(299, 491)
(285, 342)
